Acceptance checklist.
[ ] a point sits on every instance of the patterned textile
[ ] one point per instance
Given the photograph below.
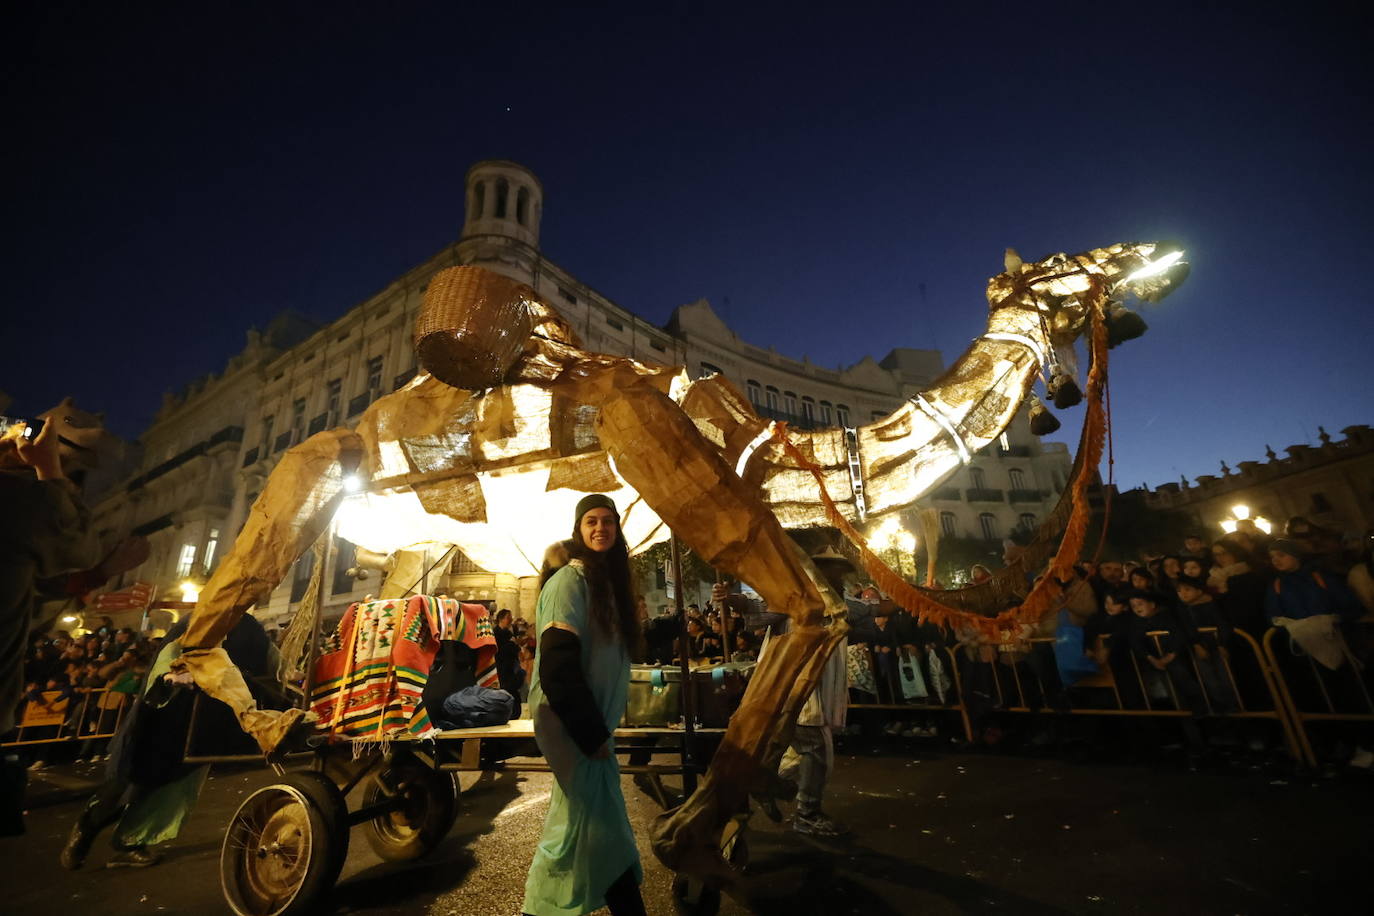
(472, 627)
(859, 662)
(370, 685)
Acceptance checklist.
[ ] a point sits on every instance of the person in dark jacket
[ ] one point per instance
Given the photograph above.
(1162, 644)
(1300, 591)
(1239, 587)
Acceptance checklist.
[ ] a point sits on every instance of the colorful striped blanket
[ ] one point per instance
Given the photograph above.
(470, 624)
(369, 686)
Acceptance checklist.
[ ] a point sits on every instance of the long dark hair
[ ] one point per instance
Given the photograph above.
(608, 578)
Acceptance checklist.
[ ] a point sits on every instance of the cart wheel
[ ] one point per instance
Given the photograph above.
(430, 806)
(284, 847)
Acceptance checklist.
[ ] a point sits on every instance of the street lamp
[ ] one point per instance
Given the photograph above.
(1240, 514)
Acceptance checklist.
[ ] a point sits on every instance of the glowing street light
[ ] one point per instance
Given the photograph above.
(190, 592)
(1240, 514)
(352, 484)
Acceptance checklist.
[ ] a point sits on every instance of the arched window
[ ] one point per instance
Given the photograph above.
(708, 370)
(1028, 521)
(947, 528)
(827, 418)
(755, 392)
(808, 410)
(1018, 478)
(842, 414)
(978, 478)
(772, 395)
(789, 403)
(522, 206)
(988, 523)
(502, 193)
(479, 199)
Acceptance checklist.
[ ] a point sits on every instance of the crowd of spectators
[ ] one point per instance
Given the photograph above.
(91, 678)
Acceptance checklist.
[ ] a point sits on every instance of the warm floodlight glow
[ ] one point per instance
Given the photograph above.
(69, 619)
(190, 592)
(1241, 512)
(1263, 524)
(1228, 525)
(352, 484)
(1155, 268)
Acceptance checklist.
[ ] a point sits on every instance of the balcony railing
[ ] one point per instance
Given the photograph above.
(251, 458)
(359, 404)
(281, 442)
(1015, 451)
(951, 493)
(983, 496)
(1026, 496)
(227, 434)
(317, 424)
(797, 421)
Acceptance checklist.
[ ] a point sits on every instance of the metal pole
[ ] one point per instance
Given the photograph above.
(689, 776)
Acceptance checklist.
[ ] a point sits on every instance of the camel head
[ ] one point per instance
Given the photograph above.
(1054, 295)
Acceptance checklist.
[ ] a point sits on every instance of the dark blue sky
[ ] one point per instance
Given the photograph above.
(181, 174)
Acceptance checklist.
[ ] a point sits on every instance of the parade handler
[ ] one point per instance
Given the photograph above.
(586, 856)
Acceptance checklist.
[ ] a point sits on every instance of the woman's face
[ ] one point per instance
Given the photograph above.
(1172, 567)
(598, 529)
(1222, 556)
(1192, 568)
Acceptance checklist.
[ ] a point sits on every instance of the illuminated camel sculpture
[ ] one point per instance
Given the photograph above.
(528, 422)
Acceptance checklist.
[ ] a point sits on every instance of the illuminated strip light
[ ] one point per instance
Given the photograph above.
(948, 427)
(1021, 339)
(753, 446)
(856, 477)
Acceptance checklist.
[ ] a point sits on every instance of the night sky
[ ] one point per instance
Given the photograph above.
(836, 182)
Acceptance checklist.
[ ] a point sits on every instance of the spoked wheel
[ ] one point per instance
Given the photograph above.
(284, 847)
(429, 805)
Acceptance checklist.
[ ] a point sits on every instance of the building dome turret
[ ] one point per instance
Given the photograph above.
(503, 199)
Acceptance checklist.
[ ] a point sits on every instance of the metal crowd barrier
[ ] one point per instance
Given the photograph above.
(954, 701)
(1010, 679)
(1360, 710)
(56, 719)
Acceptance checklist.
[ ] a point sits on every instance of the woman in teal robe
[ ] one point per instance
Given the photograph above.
(586, 857)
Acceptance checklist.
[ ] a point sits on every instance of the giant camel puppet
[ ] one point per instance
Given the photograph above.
(512, 419)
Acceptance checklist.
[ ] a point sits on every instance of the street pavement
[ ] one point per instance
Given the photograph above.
(934, 832)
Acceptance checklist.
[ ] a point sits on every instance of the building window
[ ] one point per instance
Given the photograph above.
(771, 396)
(267, 423)
(210, 546)
(345, 556)
(988, 523)
(567, 296)
(1018, 478)
(755, 392)
(827, 418)
(479, 198)
(842, 415)
(522, 206)
(947, 524)
(187, 561)
(809, 411)
(502, 192)
(297, 420)
(374, 377)
(333, 401)
(301, 580)
(789, 403)
(1028, 521)
(978, 478)
(615, 324)
(708, 370)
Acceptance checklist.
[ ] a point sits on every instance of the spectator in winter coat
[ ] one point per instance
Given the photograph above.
(1239, 588)
(1300, 591)
(1166, 653)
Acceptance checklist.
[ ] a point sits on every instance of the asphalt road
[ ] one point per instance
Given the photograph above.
(933, 833)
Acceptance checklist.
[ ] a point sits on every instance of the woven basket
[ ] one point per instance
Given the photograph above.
(472, 327)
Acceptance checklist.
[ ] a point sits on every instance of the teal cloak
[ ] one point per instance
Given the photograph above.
(587, 842)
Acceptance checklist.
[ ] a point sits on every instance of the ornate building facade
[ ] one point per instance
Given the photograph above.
(1331, 484)
(209, 451)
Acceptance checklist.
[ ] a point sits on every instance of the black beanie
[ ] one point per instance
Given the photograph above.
(593, 501)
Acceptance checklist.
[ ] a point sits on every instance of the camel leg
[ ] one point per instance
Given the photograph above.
(300, 498)
(660, 453)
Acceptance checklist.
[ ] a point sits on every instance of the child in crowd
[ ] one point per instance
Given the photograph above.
(1198, 612)
(1162, 644)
